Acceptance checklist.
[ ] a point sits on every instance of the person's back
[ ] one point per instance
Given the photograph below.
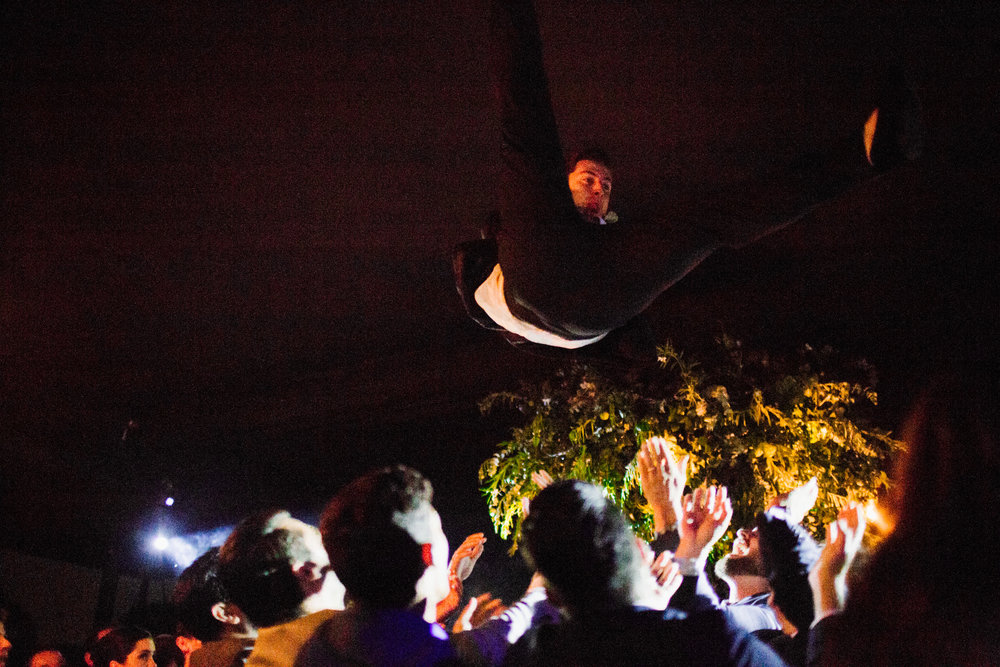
(642, 637)
(385, 542)
(378, 637)
(581, 544)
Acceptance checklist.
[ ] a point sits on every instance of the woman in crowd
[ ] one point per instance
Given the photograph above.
(124, 646)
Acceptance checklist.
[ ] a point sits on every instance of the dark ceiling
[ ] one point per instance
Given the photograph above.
(230, 224)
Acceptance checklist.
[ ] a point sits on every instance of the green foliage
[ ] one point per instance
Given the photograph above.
(756, 423)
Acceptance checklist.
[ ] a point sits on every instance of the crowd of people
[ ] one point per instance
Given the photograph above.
(374, 583)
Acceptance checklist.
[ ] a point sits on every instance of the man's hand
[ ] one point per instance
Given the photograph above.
(706, 514)
(477, 611)
(542, 478)
(466, 555)
(828, 577)
(662, 478)
(798, 501)
(668, 577)
(459, 569)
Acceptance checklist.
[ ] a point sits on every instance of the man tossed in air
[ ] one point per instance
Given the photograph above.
(560, 273)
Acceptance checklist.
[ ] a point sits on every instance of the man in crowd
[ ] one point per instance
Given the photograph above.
(385, 541)
(205, 611)
(594, 569)
(277, 571)
(743, 570)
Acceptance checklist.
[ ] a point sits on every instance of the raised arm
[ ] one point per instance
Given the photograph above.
(706, 514)
(798, 501)
(459, 568)
(828, 577)
(662, 477)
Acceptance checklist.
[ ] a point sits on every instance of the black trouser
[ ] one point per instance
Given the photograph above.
(578, 279)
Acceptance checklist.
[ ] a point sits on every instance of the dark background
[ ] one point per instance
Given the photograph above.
(230, 224)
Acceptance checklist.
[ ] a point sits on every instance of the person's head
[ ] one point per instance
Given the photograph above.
(580, 542)
(201, 602)
(385, 539)
(4, 644)
(589, 177)
(168, 653)
(744, 558)
(788, 552)
(91, 643)
(276, 569)
(124, 646)
(47, 658)
(929, 587)
(949, 475)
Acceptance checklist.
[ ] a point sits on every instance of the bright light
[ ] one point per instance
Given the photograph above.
(169, 502)
(182, 550)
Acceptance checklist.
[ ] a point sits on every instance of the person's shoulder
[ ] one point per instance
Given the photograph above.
(709, 636)
(227, 652)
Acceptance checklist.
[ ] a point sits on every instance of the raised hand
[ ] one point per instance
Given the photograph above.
(668, 576)
(798, 501)
(662, 478)
(706, 514)
(466, 555)
(541, 478)
(477, 611)
(459, 568)
(828, 577)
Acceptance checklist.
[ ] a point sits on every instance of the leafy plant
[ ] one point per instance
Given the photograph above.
(758, 423)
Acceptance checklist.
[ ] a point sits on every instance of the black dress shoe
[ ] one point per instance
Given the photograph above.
(894, 132)
(472, 263)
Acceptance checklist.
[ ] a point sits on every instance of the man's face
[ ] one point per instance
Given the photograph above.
(744, 558)
(325, 583)
(590, 184)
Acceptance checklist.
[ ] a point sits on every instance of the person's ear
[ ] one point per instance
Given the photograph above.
(310, 576)
(304, 571)
(220, 612)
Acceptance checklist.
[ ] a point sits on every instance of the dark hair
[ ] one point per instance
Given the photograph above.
(373, 530)
(583, 546)
(198, 589)
(116, 644)
(592, 153)
(167, 651)
(787, 553)
(255, 565)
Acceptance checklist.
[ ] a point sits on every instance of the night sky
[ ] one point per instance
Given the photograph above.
(231, 223)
